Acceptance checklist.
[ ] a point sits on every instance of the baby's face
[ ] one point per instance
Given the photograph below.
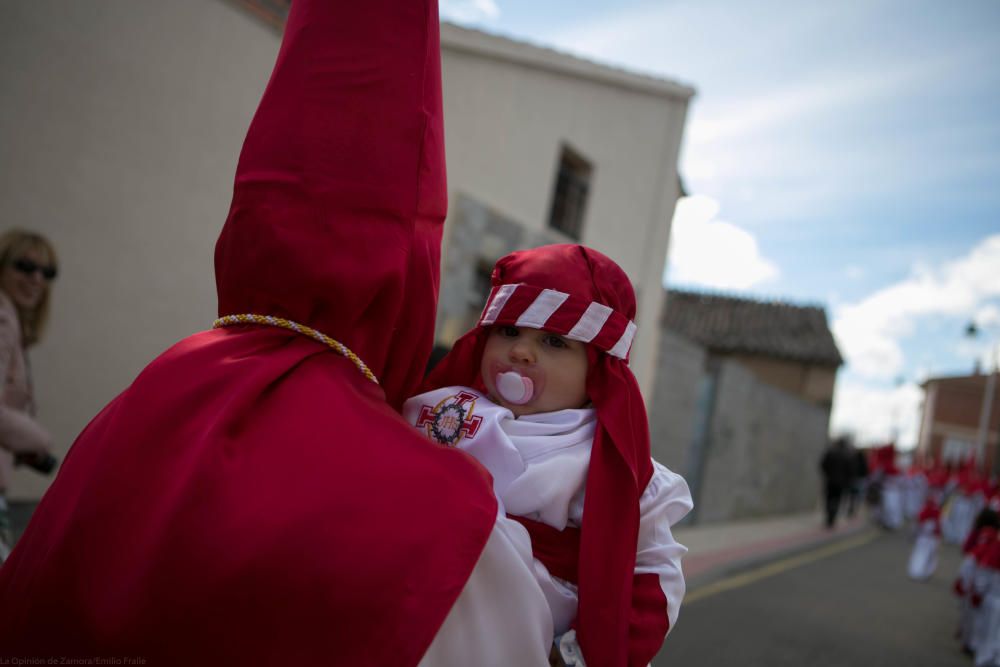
(530, 370)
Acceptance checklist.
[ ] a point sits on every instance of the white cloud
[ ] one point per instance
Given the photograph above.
(875, 414)
(868, 332)
(988, 317)
(468, 11)
(713, 253)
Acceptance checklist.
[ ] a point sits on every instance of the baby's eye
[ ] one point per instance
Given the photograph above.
(508, 331)
(555, 341)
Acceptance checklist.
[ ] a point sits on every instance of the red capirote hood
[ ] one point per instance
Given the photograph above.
(340, 193)
(251, 498)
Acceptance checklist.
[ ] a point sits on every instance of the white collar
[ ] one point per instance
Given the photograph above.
(543, 432)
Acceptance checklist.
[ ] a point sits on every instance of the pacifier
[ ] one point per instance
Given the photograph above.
(514, 387)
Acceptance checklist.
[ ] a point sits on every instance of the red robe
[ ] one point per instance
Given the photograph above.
(252, 498)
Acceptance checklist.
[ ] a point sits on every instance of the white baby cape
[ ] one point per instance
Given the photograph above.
(539, 466)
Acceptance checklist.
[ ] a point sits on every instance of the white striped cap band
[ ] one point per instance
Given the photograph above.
(575, 318)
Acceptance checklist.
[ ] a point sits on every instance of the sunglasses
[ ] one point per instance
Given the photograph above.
(27, 267)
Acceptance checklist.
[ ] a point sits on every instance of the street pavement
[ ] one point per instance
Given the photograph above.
(834, 598)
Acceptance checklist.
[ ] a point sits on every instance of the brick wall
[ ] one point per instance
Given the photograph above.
(955, 413)
(961, 404)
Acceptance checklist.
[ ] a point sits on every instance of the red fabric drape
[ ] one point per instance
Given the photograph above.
(556, 549)
(249, 498)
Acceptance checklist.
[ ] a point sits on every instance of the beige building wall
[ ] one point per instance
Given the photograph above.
(122, 121)
(509, 107)
(813, 383)
(121, 124)
(820, 384)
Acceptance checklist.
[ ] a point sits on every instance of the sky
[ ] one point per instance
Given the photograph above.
(839, 154)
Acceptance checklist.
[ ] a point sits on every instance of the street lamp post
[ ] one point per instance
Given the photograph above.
(894, 427)
(989, 392)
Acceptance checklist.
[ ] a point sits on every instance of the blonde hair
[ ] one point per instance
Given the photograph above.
(13, 244)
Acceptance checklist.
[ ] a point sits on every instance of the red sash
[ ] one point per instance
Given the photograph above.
(558, 550)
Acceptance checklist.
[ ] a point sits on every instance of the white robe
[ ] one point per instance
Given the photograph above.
(539, 466)
(966, 612)
(501, 618)
(924, 556)
(961, 516)
(982, 585)
(914, 495)
(987, 650)
(892, 502)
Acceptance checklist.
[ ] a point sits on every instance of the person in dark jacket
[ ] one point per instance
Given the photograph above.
(836, 467)
(859, 475)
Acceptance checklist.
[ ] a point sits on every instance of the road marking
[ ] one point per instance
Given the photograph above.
(778, 567)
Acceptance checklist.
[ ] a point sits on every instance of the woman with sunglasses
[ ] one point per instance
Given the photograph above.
(27, 269)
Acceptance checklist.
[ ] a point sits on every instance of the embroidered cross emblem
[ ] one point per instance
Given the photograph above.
(451, 420)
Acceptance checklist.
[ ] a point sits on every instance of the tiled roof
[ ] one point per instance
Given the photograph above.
(976, 382)
(766, 328)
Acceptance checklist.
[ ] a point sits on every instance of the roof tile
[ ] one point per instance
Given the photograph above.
(768, 328)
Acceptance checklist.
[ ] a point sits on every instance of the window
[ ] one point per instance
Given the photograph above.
(569, 201)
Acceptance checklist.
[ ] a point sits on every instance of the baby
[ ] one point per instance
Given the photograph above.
(541, 394)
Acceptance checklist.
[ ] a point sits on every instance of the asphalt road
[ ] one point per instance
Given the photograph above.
(847, 604)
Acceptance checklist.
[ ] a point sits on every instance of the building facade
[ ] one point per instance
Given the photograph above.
(742, 402)
(954, 411)
(543, 148)
(123, 120)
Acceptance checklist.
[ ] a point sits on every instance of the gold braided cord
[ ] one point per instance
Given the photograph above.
(282, 323)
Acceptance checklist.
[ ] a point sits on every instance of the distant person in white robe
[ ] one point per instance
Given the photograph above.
(968, 585)
(967, 500)
(892, 501)
(915, 490)
(924, 556)
(987, 631)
